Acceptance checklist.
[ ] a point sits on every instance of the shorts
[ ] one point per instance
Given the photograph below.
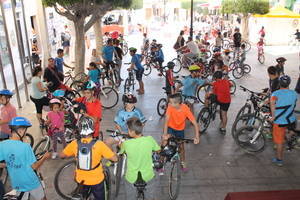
(36, 194)
(176, 133)
(150, 190)
(66, 43)
(4, 136)
(224, 106)
(139, 74)
(39, 103)
(98, 190)
(279, 131)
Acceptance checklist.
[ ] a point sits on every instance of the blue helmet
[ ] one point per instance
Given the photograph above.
(6, 92)
(90, 85)
(19, 122)
(59, 93)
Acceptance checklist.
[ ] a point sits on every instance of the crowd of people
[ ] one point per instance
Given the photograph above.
(89, 150)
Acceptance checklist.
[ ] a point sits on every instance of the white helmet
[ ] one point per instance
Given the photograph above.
(86, 126)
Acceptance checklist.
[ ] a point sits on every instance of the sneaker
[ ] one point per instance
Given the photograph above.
(183, 167)
(277, 161)
(223, 131)
(161, 171)
(54, 154)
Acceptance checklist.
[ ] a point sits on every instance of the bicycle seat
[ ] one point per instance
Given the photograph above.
(140, 184)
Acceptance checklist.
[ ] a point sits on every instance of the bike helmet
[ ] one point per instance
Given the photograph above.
(90, 85)
(19, 122)
(132, 49)
(58, 93)
(86, 126)
(129, 98)
(171, 65)
(194, 68)
(281, 59)
(218, 75)
(6, 92)
(55, 101)
(284, 81)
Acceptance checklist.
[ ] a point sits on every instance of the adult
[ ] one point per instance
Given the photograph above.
(119, 55)
(60, 63)
(38, 92)
(262, 32)
(280, 65)
(237, 40)
(95, 58)
(66, 40)
(109, 52)
(180, 40)
(193, 50)
(51, 76)
(35, 53)
(297, 34)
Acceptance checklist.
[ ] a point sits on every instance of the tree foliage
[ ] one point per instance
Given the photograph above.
(245, 6)
(137, 4)
(187, 4)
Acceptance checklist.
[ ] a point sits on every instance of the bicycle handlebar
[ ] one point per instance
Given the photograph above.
(116, 133)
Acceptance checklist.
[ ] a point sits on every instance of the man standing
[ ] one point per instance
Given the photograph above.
(193, 47)
(237, 39)
(51, 76)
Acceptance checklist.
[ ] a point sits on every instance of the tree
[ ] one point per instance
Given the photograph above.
(187, 4)
(84, 14)
(137, 4)
(245, 8)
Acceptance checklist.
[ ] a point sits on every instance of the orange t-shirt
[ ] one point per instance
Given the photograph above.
(94, 109)
(99, 151)
(177, 117)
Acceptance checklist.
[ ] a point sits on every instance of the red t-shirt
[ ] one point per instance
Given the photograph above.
(94, 109)
(170, 77)
(221, 88)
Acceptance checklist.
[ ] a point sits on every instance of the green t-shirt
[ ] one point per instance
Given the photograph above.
(139, 157)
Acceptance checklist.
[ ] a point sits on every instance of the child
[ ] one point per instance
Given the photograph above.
(7, 113)
(260, 46)
(89, 153)
(170, 85)
(226, 57)
(243, 54)
(139, 151)
(56, 120)
(159, 57)
(59, 64)
(21, 162)
(139, 69)
(123, 115)
(174, 126)
(94, 73)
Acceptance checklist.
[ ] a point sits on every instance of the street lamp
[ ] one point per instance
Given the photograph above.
(192, 10)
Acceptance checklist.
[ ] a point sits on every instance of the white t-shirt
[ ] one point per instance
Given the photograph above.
(193, 47)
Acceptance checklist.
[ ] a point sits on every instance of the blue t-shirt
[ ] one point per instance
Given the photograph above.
(19, 157)
(122, 117)
(59, 64)
(136, 60)
(160, 55)
(108, 53)
(94, 75)
(285, 104)
(190, 85)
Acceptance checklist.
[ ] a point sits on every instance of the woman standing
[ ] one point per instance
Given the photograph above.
(96, 58)
(180, 42)
(38, 95)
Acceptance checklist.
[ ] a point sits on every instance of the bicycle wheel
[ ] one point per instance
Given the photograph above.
(203, 119)
(125, 48)
(28, 139)
(109, 97)
(115, 78)
(248, 46)
(107, 183)
(261, 59)
(64, 182)
(201, 92)
(238, 72)
(174, 179)
(246, 109)
(225, 44)
(177, 66)
(244, 138)
(118, 175)
(147, 69)
(77, 85)
(41, 148)
(81, 76)
(162, 107)
(128, 85)
(245, 120)
(232, 87)
(72, 95)
(246, 68)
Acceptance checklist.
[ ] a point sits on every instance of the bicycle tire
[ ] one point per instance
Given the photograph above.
(203, 119)
(245, 120)
(77, 85)
(162, 107)
(177, 68)
(248, 46)
(107, 183)
(201, 92)
(225, 44)
(175, 175)
(246, 68)
(81, 76)
(118, 176)
(261, 59)
(238, 72)
(243, 138)
(147, 69)
(232, 87)
(246, 109)
(28, 139)
(116, 79)
(108, 102)
(125, 48)
(41, 148)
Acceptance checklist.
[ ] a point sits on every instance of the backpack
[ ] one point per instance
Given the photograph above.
(84, 156)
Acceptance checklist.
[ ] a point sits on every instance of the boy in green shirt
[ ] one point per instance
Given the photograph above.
(139, 158)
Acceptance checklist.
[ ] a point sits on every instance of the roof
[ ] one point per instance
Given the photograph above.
(280, 12)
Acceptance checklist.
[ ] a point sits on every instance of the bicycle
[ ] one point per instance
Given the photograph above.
(129, 82)
(207, 114)
(110, 76)
(81, 76)
(261, 55)
(140, 186)
(67, 188)
(238, 70)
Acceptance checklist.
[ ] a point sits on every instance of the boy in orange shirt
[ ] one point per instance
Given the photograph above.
(89, 153)
(176, 114)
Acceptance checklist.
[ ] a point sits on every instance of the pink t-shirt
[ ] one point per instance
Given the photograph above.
(7, 113)
(56, 120)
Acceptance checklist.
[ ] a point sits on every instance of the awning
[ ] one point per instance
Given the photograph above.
(280, 12)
